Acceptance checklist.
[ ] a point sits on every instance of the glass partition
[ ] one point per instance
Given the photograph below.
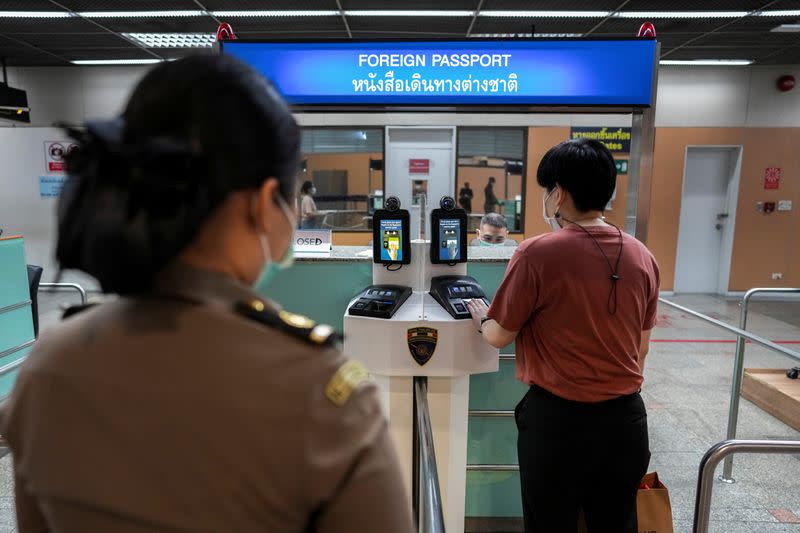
(491, 166)
(345, 167)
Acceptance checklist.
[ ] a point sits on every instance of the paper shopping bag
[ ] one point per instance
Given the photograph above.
(652, 506)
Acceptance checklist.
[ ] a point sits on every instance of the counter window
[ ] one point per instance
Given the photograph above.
(345, 167)
(490, 174)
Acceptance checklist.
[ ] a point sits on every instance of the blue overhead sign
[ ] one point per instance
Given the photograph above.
(474, 72)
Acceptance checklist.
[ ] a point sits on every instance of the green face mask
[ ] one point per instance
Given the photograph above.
(484, 243)
(271, 268)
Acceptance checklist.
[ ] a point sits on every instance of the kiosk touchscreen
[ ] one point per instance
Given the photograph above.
(453, 293)
(391, 239)
(448, 233)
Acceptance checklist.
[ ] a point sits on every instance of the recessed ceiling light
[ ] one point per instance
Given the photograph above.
(707, 62)
(115, 61)
(140, 14)
(173, 40)
(35, 14)
(545, 14)
(786, 28)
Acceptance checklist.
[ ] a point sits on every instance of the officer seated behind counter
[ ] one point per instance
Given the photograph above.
(493, 231)
(191, 403)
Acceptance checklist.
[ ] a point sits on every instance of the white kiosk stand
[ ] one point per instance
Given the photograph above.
(454, 350)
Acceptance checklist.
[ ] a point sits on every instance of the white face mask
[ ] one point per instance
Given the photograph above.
(551, 221)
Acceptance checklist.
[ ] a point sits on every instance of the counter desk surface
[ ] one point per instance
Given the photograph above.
(476, 254)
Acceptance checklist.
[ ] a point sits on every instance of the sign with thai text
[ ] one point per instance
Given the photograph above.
(50, 186)
(419, 166)
(469, 72)
(615, 139)
(55, 153)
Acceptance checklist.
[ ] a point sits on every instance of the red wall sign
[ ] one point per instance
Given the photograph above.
(772, 178)
(419, 166)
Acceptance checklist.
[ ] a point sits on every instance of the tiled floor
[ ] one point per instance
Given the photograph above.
(687, 393)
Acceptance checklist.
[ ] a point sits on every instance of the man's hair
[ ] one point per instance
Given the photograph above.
(584, 168)
(494, 219)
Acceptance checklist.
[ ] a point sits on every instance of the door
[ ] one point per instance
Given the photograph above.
(705, 235)
(420, 162)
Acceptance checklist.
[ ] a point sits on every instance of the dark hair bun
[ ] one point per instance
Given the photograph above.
(126, 210)
(141, 186)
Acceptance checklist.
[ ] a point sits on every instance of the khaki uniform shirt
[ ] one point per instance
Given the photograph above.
(199, 407)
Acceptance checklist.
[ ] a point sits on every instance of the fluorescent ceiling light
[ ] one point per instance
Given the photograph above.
(786, 28)
(173, 40)
(405, 13)
(115, 61)
(707, 62)
(409, 13)
(545, 14)
(140, 14)
(264, 13)
(35, 14)
(680, 14)
(780, 13)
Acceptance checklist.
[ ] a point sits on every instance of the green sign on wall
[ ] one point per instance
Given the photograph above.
(615, 139)
(622, 166)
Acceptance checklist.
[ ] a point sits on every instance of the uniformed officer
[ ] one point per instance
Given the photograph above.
(190, 403)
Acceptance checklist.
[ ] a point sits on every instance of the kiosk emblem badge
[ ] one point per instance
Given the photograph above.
(422, 344)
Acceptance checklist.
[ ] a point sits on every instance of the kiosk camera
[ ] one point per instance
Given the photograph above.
(391, 245)
(448, 233)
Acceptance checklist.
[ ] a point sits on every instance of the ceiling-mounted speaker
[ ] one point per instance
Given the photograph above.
(785, 83)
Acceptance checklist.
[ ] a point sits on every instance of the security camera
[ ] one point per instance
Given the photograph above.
(392, 203)
(447, 203)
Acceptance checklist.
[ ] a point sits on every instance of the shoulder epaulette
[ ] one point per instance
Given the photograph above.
(348, 377)
(75, 309)
(296, 325)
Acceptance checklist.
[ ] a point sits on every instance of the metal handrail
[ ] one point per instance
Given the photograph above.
(705, 485)
(736, 331)
(429, 498)
(738, 372)
(14, 307)
(499, 413)
(493, 468)
(70, 286)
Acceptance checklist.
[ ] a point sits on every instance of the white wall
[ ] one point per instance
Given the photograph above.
(74, 94)
(22, 210)
(726, 97)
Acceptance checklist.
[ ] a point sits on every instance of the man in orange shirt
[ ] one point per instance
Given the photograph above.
(580, 302)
